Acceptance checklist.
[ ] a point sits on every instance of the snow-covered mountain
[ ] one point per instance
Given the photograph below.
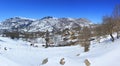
(43, 24)
(15, 23)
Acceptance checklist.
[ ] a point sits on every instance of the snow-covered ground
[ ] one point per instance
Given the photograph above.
(19, 53)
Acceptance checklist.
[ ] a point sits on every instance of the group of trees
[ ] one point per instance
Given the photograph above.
(110, 24)
(24, 35)
(12, 35)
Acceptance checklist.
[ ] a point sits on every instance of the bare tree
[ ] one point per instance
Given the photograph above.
(116, 16)
(84, 38)
(108, 25)
(99, 32)
(47, 38)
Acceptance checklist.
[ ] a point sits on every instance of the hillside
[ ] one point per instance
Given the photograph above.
(43, 24)
(20, 53)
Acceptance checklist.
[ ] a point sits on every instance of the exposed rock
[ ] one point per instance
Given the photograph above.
(45, 61)
(5, 48)
(78, 55)
(87, 63)
(62, 62)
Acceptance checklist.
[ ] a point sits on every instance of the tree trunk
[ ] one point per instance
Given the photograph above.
(46, 44)
(47, 40)
(117, 35)
(112, 38)
(86, 46)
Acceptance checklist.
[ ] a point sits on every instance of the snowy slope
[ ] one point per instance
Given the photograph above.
(7, 62)
(19, 53)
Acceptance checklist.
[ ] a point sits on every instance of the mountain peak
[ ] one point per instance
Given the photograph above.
(19, 17)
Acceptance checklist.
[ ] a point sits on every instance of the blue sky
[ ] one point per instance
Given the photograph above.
(91, 9)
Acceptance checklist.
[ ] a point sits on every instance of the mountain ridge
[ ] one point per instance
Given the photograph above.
(43, 24)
